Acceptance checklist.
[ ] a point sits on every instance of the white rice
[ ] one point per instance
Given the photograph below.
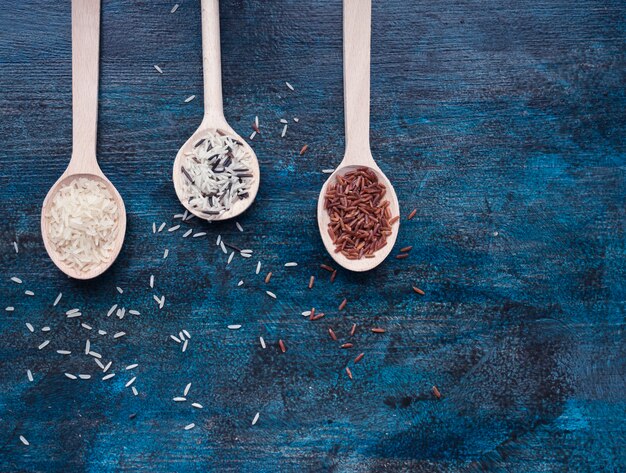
(131, 367)
(161, 227)
(44, 344)
(119, 334)
(45, 329)
(239, 227)
(174, 8)
(186, 391)
(24, 441)
(291, 264)
(30, 375)
(64, 352)
(190, 426)
(30, 327)
(179, 399)
(134, 389)
(185, 346)
(133, 312)
(252, 135)
(106, 368)
(289, 86)
(187, 233)
(174, 228)
(29, 293)
(240, 283)
(158, 69)
(15, 247)
(111, 310)
(120, 290)
(234, 327)
(10, 309)
(262, 342)
(108, 376)
(256, 418)
(152, 281)
(58, 299)
(165, 253)
(197, 405)
(88, 327)
(258, 267)
(199, 234)
(84, 376)
(130, 382)
(87, 347)
(284, 132)
(271, 294)
(190, 98)
(296, 119)
(69, 375)
(16, 280)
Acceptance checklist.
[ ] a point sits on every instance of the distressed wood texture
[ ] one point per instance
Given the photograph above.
(503, 122)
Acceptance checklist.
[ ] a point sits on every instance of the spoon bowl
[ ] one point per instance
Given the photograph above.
(239, 206)
(323, 220)
(121, 229)
(213, 115)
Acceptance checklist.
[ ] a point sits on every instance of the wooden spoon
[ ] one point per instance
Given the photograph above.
(213, 114)
(357, 20)
(85, 54)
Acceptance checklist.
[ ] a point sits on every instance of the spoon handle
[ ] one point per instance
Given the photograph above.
(357, 24)
(211, 61)
(85, 54)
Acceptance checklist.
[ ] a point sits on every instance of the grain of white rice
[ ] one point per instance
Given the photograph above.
(108, 376)
(30, 327)
(29, 293)
(328, 171)
(289, 85)
(291, 264)
(197, 405)
(252, 135)
(190, 426)
(185, 345)
(296, 119)
(58, 299)
(152, 281)
(119, 289)
(258, 267)
(262, 342)
(99, 363)
(119, 334)
(156, 298)
(246, 255)
(256, 121)
(131, 367)
(74, 315)
(282, 120)
(158, 69)
(24, 441)
(186, 391)
(246, 251)
(153, 227)
(134, 389)
(84, 376)
(64, 352)
(111, 310)
(44, 344)
(95, 354)
(223, 247)
(199, 234)
(86, 326)
(131, 381)
(120, 313)
(219, 240)
(187, 233)
(30, 375)
(16, 280)
(72, 311)
(306, 313)
(106, 368)
(174, 228)
(69, 375)
(165, 253)
(179, 399)
(134, 312)
(10, 309)
(175, 338)
(240, 283)
(174, 8)
(102, 332)
(234, 327)
(161, 227)
(239, 227)
(87, 347)
(17, 250)
(256, 418)
(186, 333)
(271, 294)
(45, 329)
(190, 98)
(284, 132)
(230, 258)
(162, 303)
(181, 335)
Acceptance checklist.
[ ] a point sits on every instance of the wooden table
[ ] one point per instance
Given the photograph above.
(502, 122)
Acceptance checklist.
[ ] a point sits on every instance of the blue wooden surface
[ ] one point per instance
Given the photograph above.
(502, 122)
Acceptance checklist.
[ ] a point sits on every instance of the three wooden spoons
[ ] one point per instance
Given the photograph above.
(83, 164)
(357, 19)
(214, 120)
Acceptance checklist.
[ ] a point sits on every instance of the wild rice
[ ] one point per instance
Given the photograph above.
(333, 276)
(303, 149)
(402, 256)
(327, 268)
(347, 345)
(412, 214)
(352, 330)
(406, 249)
(332, 334)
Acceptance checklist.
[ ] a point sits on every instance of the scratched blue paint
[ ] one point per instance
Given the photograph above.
(503, 123)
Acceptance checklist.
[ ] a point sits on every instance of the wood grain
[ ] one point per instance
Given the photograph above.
(502, 122)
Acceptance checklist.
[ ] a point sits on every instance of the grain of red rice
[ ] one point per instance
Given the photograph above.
(402, 256)
(318, 316)
(330, 269)
(332, 334)
(343, 304)
(282, 346)
(268, 277)
(352, 330)
(359, 357)
(303, 150)
(349, 372)
(406, 249)
(311, 282)
(417, 290)
(333, 276)
(347, 345)
(412, 214)
(378, 330)
(436, 392)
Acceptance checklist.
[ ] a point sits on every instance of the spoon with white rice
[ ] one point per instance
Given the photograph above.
(83, 219)
(216, 173)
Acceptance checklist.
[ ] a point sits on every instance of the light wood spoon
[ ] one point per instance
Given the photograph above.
(357, 22)
(213, 114)
(85, 56)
